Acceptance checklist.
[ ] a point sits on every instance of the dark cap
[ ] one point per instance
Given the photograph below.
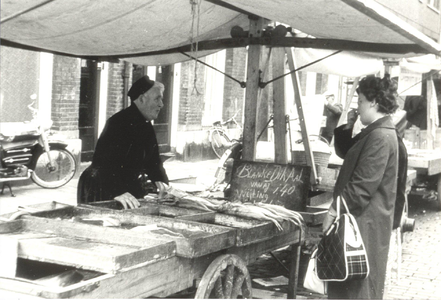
(141, 86)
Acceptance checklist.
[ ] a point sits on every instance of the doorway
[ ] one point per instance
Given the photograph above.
(88, 111)
(162, 124)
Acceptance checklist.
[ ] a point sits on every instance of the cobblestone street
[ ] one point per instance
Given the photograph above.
(420, 276)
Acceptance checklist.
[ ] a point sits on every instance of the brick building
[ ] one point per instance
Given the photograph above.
(80, 95)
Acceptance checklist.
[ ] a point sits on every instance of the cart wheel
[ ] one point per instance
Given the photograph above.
(226, 277)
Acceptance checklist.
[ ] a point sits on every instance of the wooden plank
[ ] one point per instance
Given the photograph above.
(89, 255)
(157, 210)
(249, 231)
(170, 275)
(263, 97)
(43, 206)
(251, 93)
(429, 90)
(298, 42)
(279, 108)
(196, 239)
(12, 226)
(429, 161)
(304, 129)
(108, 235)
(8, 255)
(251, 252)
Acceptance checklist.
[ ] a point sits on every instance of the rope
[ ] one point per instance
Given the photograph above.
(242, 83)
(4, 20)
(264, 84)
(195, 45)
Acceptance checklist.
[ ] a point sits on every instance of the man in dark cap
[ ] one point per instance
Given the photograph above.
(332, 111)
(127, 151)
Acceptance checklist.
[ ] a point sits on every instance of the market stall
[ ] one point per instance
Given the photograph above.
(179, 248)
(100, 251)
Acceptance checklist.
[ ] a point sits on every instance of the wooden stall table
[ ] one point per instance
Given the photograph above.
(427, 162)
(189, 248)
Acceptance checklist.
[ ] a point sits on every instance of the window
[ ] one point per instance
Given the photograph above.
(434, 4)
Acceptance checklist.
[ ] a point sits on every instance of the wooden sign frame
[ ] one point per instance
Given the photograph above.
(281, 184)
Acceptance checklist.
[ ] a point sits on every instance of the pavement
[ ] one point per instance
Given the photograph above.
(419, 271)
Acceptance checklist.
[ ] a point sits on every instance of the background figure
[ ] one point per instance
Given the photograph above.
(127, 151)
(332, 111)
(416, 109)
(368, 182)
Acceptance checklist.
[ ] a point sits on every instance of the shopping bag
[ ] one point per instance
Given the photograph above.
(341, 255)
(312, 282)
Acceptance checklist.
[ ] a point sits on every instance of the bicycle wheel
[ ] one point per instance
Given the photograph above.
(62, 170)
(219, 142)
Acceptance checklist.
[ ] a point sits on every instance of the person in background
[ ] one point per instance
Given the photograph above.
(416, 111)
(127, 151)
(368, 182)
(332, 111)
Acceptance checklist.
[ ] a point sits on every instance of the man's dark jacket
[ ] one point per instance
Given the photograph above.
(126, 149)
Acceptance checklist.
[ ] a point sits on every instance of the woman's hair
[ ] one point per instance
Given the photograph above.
(381, 91)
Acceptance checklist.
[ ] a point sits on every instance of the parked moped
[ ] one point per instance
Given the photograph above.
(33, 154)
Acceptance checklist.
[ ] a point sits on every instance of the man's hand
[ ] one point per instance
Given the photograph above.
(127, 200)
(162, 189)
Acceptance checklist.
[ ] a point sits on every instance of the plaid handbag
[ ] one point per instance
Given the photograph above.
(341, 254)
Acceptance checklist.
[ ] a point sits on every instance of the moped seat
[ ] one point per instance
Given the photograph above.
(22, 141)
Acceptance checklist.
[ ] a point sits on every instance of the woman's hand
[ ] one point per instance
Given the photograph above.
(162, 189)
(127, 200)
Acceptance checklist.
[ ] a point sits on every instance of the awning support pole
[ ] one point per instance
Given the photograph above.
(429, 136)
(348, 102)
(304, 131)
(251, 92)
(279, 108)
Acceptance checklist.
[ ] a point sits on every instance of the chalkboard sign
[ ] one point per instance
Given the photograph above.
(285, 185)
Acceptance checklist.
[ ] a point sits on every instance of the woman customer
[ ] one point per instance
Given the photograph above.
(368, 182)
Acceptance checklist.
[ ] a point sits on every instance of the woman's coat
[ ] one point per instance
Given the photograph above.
(368, 182)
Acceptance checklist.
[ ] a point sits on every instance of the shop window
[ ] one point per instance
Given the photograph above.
(321, 83)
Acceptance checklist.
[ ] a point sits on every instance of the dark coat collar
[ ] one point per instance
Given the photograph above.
(384, 122)
(135, 114)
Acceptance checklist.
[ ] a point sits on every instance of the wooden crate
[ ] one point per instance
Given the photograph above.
(196, 239)
(83, 246)
(247, 230)
(418, 138)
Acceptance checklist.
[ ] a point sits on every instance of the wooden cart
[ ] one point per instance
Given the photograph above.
(209, 251)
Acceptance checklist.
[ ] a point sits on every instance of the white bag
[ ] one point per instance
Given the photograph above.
(312, 282)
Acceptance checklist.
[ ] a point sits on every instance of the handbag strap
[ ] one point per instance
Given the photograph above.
(342, 200)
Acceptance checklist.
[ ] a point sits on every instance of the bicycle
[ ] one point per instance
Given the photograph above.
(33, 154)
(218, 137)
